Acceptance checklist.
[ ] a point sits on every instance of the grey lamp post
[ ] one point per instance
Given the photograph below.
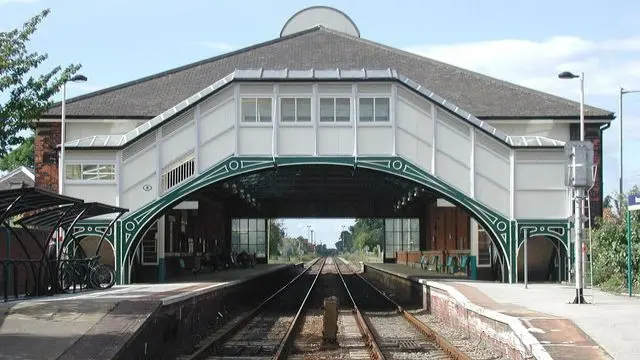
(76, 78)
(579, 195)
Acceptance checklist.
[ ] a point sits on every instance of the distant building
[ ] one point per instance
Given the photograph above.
(18, 178)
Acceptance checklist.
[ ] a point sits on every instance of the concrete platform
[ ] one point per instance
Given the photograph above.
(92, 325)
(607, 328)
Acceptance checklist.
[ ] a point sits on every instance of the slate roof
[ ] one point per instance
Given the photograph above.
(322, 48)
(20, 177)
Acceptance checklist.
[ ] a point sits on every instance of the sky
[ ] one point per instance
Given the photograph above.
(525, 42)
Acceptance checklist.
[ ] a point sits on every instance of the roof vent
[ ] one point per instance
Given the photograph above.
(328, 17)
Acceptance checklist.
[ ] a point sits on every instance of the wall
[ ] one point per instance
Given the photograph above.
(556, 130)
(47, 137)
(77, 129)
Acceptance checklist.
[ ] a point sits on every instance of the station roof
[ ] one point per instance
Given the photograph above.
(117, 141)
(322, 48)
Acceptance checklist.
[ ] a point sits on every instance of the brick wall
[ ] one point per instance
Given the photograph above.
(46, 156)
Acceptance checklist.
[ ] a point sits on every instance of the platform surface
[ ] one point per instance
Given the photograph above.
(45, 327)
(566, 330)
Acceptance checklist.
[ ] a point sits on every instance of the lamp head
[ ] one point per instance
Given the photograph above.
(567, 75)
(78, 78)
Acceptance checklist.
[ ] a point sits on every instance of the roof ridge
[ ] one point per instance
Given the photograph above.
(185, 67)
(470, 72)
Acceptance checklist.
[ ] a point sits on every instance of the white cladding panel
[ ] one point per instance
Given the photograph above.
(178, 143)
(255, 140)
(217, 121)
(452, 172)
(335, 140)
(453, 152)
(138, 168)
(414, 129)
(261, 89)
(374, 88)
(135, 197)
(375, 140)
(101, 192)
(539, 184)
(492, 173)
(296, 140)
(90, 157)
(546, 128)
(414, 149)
(214, 151)
(334, 89)
(77, 129)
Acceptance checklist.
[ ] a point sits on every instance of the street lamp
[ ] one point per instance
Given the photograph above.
(579, 196)
(76, 78)
(621, 188)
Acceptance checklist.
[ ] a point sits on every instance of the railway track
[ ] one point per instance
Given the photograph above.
(289, 324)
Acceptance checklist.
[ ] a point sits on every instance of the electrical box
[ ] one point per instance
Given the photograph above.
(579, 164)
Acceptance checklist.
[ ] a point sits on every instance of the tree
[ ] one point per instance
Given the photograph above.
(20, 156)
(28, 96)
(367, 232)
(346, 241)
(276, 236)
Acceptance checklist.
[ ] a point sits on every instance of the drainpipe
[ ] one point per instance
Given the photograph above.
(7, 244)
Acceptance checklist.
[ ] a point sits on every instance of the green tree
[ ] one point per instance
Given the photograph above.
(367, 232)
(276, 236)
(346, 241)
(20, 156)
(28, 97)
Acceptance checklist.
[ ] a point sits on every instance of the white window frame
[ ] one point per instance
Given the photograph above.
(334, 123)
(93, 163)
(295, 122)
(374, 122)
(256, 98)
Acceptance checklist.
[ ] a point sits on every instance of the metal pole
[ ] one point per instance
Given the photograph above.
(629, 272)
(526, 259)
(581, 106)
(620, 185)
(61, 159)
(578, 209)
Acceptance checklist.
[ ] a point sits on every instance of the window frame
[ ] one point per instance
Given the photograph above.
(334, 122)
(375, 122)
(248, 238)
(89, 181)
(295, 122)
(255, 98)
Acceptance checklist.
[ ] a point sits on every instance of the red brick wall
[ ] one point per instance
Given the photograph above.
(46, 156)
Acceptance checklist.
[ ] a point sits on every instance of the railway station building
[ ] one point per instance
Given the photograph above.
(321, 122)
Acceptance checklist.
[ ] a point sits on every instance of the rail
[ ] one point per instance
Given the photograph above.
(215, 342)
(444, 344)
(370, 340)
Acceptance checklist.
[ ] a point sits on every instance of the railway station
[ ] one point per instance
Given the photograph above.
(189, 166)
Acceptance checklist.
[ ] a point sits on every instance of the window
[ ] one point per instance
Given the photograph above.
(401, 235)
(335, 109)
(90, 172)
(295, 109)
(249, 235)
(374, 109)
(256, 110)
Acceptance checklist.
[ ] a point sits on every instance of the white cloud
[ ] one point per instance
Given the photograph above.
(5, 2)
(607, 64)
(217, 46)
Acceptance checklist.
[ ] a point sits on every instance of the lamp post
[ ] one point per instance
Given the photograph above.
(621, 189)
(76, 78)
(579, 195)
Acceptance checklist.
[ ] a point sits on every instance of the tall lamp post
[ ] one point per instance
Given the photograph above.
(76, 78)
(579, 195)
(621, 190)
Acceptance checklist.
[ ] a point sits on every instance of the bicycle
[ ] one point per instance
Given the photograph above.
(86, 273)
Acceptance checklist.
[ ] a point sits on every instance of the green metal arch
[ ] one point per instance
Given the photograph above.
(95, 228)
(136, 222)
(556, 229)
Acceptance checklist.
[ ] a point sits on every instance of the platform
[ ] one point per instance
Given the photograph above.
(566, 331)
(51, 327)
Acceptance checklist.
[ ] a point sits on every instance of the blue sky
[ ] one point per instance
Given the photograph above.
(526, 42)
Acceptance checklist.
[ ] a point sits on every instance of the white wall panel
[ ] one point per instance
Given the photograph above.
(375, 140)
(296, 140)
(548, 128)
(335, 140)
(219, 99)
(541, 204)
(374, 88)
(177, 144)
(214, 151)
(414, 149)
(139, 167)
(104, 193)
(452, 172)
(255, 140)
(135, 197)
(491, 194)
(492, 160)
(327, 89)
(414, 120)
(256, 89)
(90, 156)
(217, 121)
(81, 129)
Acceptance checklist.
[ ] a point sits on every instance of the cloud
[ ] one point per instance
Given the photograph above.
(216, 45)
(607, 64)
(5, 2)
